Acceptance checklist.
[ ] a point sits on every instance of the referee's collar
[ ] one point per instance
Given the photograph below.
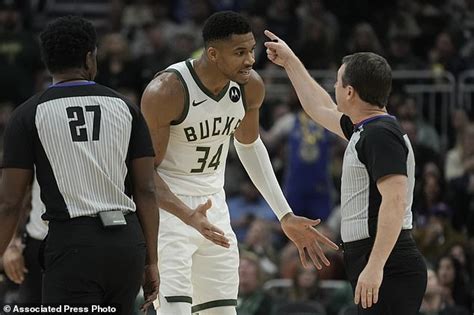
(75, 83)
(367, 120)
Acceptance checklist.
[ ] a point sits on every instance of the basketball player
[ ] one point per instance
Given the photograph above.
(192, 109)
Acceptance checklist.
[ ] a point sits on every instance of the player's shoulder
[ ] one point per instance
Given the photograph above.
(164, 94)
(256, 80)
(254, 90)
(165, 83)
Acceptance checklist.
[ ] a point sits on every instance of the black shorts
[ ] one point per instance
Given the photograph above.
(85, 263)
(404, 279)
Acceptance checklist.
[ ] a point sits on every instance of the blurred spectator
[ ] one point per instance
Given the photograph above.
(423, 153)
(403, 21)
(20, 61)
(436, 237)
(454, 163)
(305, 285)
(311, 10)
(136, 15)
(306, 288)
(159, 55)
(425, 133)
(454, 288)
(252, 300)
(105, 15)
(282, 19)
(183, 45)
(444, 55)
(307, 185)
(462, 187)
(459, 252)
(433, 299)
(432, 20)
(364, 39)
(315, 50)
(289, 261)
(246, 207)
(259, 241)
(400, 55)
(429, 198)
(116, 68)
(259, 25)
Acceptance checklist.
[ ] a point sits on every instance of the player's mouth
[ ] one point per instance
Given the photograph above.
(245, 72)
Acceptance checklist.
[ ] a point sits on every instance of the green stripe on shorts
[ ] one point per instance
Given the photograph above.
(179, 298)
(211, 304)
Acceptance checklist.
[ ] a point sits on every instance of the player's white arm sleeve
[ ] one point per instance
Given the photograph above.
(255, 159)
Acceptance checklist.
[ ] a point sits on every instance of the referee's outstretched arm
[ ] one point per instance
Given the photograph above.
(13, 185)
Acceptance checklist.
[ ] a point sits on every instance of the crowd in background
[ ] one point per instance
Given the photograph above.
(141, 37)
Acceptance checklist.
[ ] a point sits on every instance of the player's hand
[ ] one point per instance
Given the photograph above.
(14, 264)
(199, 221)
(277, 50)
(151, 285)
(307, 239)
(368, 285)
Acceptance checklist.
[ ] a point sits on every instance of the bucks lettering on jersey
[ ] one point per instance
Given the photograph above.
(195, 159)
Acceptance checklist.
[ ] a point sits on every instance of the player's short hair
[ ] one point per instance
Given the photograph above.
(65, 43)
(370, 75)
(224, 24)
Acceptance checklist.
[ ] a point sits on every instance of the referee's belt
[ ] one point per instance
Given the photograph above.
(404, 235)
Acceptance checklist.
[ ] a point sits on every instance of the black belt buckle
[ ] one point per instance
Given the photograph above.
(112, 218)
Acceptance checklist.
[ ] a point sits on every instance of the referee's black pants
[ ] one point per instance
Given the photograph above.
(30, 288)
(404, 278)
(87, 264)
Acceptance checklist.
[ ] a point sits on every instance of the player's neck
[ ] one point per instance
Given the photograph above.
(209, 75)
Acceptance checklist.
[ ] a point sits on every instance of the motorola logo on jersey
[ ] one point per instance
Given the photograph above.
(234, 94)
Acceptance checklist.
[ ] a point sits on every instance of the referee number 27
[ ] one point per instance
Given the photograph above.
(77, 122)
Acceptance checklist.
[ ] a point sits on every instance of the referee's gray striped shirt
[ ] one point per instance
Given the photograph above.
(83, 136)
(377, 147)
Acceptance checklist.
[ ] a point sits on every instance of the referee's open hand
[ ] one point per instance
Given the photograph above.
(199, 221)
(307, 239)
(151, 285)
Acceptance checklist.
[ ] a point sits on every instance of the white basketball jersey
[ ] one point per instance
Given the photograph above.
(195, 159)
(36, 227)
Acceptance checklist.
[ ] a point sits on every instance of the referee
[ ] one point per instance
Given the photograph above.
(386, 270)
(93, 153)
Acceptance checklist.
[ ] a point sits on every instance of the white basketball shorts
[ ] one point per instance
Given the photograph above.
(193, 269)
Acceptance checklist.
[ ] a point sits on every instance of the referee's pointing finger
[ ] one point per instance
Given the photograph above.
(274, 40)
(270, 35)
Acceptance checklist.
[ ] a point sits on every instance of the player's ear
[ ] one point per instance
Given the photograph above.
(212, 53)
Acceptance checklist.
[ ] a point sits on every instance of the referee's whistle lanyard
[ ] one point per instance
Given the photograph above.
(361, 124)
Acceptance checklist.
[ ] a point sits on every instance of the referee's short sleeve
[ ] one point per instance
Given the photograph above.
(18, 146)
(383, 152)
(140, 140)
(347, 126)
